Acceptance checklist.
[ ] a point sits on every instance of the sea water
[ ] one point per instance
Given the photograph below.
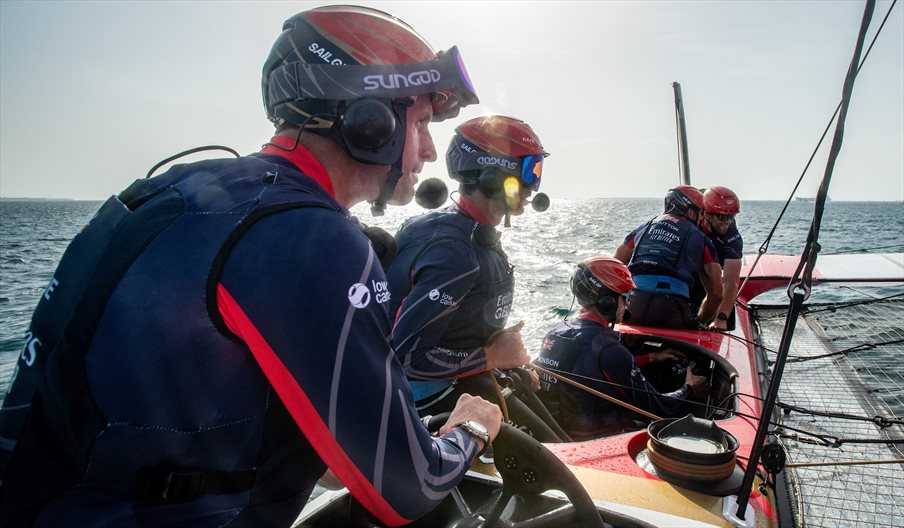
(543, 247)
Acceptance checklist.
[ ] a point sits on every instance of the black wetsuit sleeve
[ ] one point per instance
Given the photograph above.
(304, 291)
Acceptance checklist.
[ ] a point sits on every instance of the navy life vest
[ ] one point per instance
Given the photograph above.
(661, 253)
(575, 348)
(177, 228)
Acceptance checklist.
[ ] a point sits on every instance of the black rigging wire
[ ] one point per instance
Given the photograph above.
(799, 287)
(823, 307)
(846, 351)
(880, 421)
(864, 250)
(838, 306)
(827, 440)
(765, 245)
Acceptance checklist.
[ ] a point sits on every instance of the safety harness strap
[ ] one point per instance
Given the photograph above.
(173, 484)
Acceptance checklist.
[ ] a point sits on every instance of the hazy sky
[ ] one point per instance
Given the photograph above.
(92, 94)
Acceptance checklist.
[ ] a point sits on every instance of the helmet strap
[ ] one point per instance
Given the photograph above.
(378, 206)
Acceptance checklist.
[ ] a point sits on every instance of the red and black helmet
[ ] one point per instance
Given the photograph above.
(721, 200)
(496, 142)
(683, 198)
(600, 277)
(328, 59)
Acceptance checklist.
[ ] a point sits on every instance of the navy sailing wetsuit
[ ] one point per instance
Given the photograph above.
(452, 287)
(587, 351)
(668, 251)
(728, 246)
(236, 348)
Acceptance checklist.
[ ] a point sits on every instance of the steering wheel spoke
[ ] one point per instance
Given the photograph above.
(529, 469)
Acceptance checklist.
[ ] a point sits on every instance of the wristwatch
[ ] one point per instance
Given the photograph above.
(478, 431)
(722, 317)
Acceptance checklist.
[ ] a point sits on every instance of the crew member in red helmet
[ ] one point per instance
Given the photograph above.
(664, 256)
(452, 284)
(720, 205)
(588, 350)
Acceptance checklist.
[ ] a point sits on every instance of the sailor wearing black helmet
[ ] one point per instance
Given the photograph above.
(452, 284)
(219, 334)
(589, 351)
(664, 254)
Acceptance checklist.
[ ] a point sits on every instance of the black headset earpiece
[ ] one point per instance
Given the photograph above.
(490, 182)
(606, 304)
(367, 123)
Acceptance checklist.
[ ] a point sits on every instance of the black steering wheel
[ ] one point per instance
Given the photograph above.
(528, 469)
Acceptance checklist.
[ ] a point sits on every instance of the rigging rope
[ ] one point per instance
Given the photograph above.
(765, 245)
(846, 463)
(826, 440)
(846, 351)
(838, 306)
(880, 421)
(800, 285)
(865, 250)
(599, 394)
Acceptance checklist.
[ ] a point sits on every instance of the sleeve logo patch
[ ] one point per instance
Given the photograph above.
(359, 295)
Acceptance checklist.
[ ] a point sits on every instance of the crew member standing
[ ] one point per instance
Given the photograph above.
(664, 254)
(720, 205)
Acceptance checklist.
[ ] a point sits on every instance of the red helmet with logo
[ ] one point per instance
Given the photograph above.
(600, 277)
(348, 72)
(497, 142)
(682, 198)
(721, 200)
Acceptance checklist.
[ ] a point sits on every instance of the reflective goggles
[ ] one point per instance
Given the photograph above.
(444, 77)
(531, 170)
(722, 217)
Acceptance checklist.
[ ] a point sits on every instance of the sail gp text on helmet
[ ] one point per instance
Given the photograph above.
(397, 80)
(359, 295)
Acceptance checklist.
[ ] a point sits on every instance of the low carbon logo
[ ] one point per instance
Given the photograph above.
(434, 294)
(359, 295)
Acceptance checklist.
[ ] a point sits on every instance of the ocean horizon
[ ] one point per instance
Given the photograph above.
(543, 247)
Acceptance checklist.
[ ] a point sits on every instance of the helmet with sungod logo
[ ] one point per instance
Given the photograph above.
(349, 73)
(721, 200)
(495, 144)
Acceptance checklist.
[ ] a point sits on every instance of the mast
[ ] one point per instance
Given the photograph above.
(684, 167)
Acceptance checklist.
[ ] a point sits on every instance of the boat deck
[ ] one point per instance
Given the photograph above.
(865, 382)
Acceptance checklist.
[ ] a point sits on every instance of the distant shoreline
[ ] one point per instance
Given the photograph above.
(5, 199)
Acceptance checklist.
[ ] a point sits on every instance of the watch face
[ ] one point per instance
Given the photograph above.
(475, 429)
(478, 427)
